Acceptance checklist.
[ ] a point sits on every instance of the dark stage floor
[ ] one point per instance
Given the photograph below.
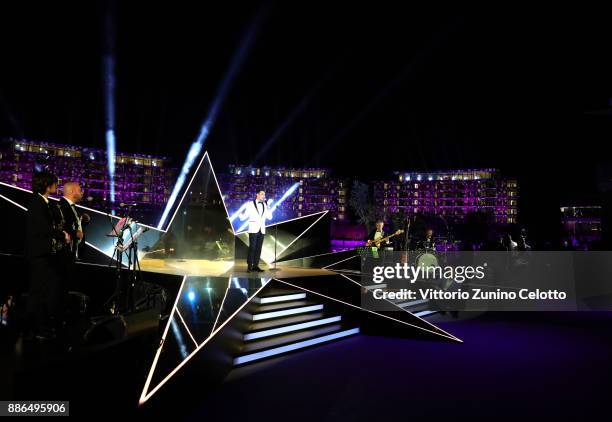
(519, 365)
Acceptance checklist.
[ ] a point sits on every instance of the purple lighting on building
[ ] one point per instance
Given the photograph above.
(451, 194)
(139, 178)
(306, 191)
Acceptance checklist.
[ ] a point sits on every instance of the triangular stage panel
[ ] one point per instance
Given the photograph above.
(343, 289)
(198, 244)
(202, 308)
(100, 246)
(13, 213)
(297, 237)
(199, 239)
(336, 261)
(336, 291)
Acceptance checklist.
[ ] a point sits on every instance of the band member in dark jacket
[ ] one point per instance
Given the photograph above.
(74, 223)
(377, 233)
(44, 238)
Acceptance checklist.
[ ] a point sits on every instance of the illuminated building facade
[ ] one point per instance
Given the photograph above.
(451, 194)
(581, 225)
(144, 180)
(317, 191)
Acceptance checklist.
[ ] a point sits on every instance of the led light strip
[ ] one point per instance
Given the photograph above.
(13, 202)
(143, 398)
(187, 328)
(15, 187)
(146, 394)
(290, 220)
(424, 313)
(276, 204)
(294, 346)
(220, 193)
(104, 253)
(119, 218)
(413, 303)
(301, 234)
(78, 205)
(311, 256)
(374, 286)
(356, 272)
(289, 328)
(286, 312)
(207, 156)
(350, 257)
(397, 306)
(276, 299)
(446, 335)
(229, 283)
(284, 248)
(187, 189)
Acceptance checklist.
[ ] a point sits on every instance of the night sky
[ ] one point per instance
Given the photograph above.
(363, 91)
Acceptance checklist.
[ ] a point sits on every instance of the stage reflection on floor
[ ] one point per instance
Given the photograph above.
(205, 267)
(211, 293)
(203, 305)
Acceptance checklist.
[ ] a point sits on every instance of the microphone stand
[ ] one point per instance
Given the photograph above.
(275, 243)
(115, 298)
(123, 297)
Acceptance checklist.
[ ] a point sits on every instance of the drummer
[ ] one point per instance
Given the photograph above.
(429, 243)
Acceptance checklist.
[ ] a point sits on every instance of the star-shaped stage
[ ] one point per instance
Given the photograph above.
(223, 316)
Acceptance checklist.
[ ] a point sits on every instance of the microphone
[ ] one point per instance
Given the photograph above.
(89, 199)
(124, 205)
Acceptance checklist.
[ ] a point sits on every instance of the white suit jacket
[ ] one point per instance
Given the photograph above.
(256, 216)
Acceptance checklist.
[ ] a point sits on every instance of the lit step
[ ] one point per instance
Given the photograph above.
(412, 303)
(375, 286)
(257, 308)
(425, 313)
(279, 298)
(250, 357)
(286, 312)
(290, 328)
(279, 322)
(288, 338)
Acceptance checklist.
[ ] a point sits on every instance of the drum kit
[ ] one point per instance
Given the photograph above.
(428, 253)
(425, 254)
(425, 250)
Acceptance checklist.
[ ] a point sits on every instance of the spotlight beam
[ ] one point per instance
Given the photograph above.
(224, 87)
(108, 72)
(300, 108)
(282, 199)
(389, 89)
(283, 127)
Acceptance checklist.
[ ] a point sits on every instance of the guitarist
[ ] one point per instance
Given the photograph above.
(377, 233)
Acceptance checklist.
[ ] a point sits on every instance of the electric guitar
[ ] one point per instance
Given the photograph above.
(377, 242)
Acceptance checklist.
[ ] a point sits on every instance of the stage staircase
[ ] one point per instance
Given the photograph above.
(420, 307)
(280, 321)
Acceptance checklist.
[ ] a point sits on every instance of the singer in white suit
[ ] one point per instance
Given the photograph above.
(257, 212)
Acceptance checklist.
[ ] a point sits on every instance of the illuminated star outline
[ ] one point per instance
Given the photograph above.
(147, 391)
